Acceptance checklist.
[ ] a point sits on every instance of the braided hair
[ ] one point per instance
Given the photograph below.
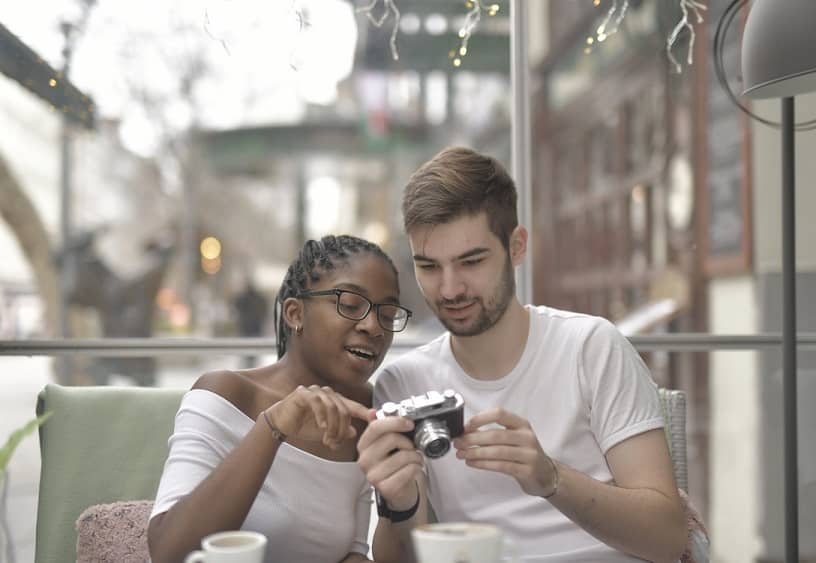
(315, 259)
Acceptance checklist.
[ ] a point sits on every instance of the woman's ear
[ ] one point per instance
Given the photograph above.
(518, 245)
(292, 312)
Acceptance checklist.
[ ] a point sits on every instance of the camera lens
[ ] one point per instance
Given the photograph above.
(432, 438)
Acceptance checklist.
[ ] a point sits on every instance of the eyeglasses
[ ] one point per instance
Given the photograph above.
(356, 307)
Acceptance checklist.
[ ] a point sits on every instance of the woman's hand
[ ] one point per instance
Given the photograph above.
(316, 414)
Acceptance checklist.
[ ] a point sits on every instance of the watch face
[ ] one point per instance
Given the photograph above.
(681, 193)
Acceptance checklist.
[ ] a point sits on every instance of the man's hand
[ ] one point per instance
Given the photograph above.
(644, 497)
(512, 449)
(390, 461)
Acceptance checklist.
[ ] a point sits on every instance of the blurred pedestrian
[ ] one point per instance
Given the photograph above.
(252, 309)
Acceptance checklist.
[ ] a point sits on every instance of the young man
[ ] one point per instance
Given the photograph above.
(563, 445)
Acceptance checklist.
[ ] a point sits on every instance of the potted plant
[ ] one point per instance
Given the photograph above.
(6, 547)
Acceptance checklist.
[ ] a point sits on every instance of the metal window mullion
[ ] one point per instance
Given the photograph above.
(134, 347)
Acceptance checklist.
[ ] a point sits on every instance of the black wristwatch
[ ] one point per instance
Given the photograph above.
(383, 511)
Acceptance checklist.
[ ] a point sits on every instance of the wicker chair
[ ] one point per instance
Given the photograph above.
(673, 403)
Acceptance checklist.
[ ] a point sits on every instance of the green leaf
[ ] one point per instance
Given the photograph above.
(17, 437)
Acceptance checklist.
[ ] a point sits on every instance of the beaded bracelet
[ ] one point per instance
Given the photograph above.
(556, 479)
(280, 436)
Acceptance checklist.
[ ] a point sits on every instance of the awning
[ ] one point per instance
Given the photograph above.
(20, 63)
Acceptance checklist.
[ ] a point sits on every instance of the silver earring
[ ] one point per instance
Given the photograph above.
(298, 330)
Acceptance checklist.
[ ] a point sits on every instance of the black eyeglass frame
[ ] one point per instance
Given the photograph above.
(371, 305)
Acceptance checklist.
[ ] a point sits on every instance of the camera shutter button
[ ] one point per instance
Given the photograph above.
(390, 409)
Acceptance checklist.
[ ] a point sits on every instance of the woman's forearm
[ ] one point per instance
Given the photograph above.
(220, 502)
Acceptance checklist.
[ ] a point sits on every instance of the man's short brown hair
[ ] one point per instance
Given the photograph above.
(457, 182)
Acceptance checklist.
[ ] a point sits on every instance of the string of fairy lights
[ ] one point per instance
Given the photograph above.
(383, 12)
(691, 11)
(687, 7)
(389, 10)
(472, 18)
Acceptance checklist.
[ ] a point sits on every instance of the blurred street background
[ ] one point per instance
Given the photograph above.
(162, 161)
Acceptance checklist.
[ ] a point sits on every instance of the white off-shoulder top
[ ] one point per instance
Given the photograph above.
(310, 509)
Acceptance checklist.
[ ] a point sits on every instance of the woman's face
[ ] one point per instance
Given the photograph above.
(338, 349)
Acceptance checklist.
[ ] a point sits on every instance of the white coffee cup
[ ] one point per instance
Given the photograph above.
(460, 542)
(236, 546)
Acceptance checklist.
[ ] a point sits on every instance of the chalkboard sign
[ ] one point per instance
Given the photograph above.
(727, 204)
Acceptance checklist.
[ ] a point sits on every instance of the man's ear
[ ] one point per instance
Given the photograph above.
(518, 245)
(292, 312)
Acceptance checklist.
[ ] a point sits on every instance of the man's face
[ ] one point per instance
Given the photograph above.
(464, 272)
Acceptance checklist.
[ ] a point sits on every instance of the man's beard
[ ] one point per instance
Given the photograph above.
(489, 313)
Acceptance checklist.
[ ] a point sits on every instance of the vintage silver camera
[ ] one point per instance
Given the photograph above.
(438, 418)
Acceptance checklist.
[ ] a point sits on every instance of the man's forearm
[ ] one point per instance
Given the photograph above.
(642, 522)
(392, 541)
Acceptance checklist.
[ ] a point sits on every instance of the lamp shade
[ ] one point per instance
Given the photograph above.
(779, 49)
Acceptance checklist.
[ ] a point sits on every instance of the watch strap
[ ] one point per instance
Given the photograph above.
(384, 511)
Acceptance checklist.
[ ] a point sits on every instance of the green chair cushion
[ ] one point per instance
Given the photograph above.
(102, 445)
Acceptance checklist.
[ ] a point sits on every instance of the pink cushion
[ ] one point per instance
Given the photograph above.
(115, 532)
(698, 545)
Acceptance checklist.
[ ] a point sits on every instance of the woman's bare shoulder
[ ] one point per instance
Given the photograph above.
(238, 387)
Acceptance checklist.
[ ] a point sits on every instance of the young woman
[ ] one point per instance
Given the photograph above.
(273, 449)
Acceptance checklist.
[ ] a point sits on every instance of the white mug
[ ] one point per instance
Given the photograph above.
(461, 542)
(236, 546)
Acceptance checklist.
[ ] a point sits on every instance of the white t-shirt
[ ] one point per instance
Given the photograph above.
(583, 389)
(309, 508)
